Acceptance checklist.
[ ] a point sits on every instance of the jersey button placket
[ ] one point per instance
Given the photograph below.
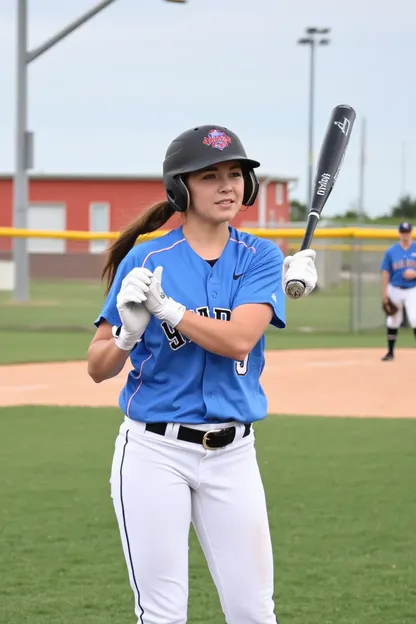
(212, 292)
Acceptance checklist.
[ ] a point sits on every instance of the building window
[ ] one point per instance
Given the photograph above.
(279, 194)
(99, 222)
(48, 217)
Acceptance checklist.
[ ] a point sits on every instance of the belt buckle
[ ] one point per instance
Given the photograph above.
(205, 439)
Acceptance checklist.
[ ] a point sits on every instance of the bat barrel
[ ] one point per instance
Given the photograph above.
(329, 163)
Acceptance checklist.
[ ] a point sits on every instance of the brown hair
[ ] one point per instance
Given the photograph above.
(152, 220)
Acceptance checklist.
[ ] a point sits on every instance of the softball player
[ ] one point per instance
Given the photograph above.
(185, 451)
(399, 284)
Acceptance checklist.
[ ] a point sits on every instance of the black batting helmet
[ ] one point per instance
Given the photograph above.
(197, 149)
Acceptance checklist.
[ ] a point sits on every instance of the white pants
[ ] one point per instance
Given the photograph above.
(160, 485)
(402, 297)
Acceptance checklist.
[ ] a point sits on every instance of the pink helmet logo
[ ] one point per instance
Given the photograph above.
(217, 139)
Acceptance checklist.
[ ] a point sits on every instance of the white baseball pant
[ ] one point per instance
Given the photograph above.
(402, 297)
(160, 485)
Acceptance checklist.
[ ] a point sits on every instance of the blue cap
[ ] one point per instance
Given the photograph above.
(405, 227)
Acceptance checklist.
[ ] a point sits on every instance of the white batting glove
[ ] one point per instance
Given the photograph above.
(133, 314)
(301, 267)
(160, 305)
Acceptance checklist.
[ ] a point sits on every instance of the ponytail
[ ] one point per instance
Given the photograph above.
(152, 220)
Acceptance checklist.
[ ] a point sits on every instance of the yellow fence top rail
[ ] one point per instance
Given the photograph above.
(276, 233)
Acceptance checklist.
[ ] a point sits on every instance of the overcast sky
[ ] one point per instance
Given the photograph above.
(113, 95)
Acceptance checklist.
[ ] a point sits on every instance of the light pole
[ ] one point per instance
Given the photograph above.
(313, 38)
(24, 139)
(360, 207)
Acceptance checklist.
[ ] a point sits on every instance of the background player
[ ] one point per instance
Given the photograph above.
(399, 284)
(185, 451)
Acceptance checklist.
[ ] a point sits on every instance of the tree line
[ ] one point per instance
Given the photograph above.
(405, 209)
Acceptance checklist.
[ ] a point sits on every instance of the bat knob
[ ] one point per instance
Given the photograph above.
(295, 289)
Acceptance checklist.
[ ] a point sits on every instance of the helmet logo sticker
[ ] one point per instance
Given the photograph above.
(217, 139)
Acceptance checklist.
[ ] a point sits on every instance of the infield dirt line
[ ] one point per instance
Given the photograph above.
(355, 383)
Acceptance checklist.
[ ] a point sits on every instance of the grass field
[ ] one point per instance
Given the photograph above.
(44, 346)
(72, 305)
(341, 499)
(57, 323)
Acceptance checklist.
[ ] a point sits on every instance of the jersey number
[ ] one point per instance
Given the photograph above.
(242, 367)
(177, 340)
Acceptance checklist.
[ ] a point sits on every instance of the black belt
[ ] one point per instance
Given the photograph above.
(216, 438)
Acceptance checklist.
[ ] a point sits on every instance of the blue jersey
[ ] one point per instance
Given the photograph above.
(173, 379)
(396, 260)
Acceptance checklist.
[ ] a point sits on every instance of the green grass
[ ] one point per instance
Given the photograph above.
(71, 305)
(57, 323)
(341, 500)
(42, 346)
(282, 340)
(325, 311)
(67, 305)
(17, 348)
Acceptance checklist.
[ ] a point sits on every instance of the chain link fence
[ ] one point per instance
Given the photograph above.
(66, 292)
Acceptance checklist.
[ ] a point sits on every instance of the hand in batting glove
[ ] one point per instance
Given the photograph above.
(301, 267)
(133, 314)
(159, 304)
(409, 274)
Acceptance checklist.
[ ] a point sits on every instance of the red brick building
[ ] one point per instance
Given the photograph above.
(100, 203)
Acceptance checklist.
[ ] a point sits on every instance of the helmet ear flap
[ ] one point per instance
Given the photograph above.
(179, 199)
(178, 195)
(251, 187)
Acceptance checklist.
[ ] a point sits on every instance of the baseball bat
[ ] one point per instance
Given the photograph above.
(331, 157)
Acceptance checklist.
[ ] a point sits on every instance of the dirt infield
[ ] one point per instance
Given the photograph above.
(338, 382)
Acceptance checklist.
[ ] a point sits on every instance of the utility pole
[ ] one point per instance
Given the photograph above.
(403, 171)
(361, 211)
(313, 38)
(24, 138)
